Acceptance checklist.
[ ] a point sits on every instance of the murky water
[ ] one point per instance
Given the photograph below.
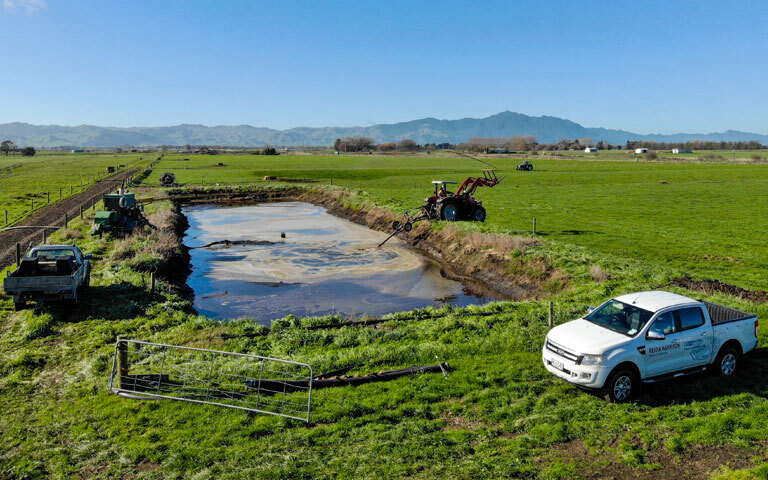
(323, 265)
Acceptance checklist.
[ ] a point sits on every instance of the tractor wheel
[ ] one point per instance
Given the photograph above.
(396, 225)
(478, 214)
(449, 211)
(408, 226)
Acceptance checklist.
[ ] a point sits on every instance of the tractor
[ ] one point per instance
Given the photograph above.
(121, 214)
(449, 206)
(526, 166)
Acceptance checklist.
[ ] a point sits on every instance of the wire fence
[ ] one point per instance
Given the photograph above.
(225, 379)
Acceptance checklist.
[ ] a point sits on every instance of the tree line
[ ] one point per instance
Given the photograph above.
(8, 147)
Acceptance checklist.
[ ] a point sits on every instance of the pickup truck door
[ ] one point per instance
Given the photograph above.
(663, 356)
(695, 335)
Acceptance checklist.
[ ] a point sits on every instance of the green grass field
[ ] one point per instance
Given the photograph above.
(24, 179)
(499, 414)
(701, 217)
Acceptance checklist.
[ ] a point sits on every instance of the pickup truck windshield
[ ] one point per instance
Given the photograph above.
(52, 254)
(620, 317)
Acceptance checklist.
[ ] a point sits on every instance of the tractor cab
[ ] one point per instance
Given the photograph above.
(441, 188)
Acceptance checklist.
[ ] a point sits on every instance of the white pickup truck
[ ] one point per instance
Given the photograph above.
(647, 337)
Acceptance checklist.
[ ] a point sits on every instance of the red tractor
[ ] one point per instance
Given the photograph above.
(446, 205)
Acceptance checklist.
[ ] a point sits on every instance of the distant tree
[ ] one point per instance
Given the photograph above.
(586, 142)
(269, 151)
(337, 145)
(407, 145)
(7, 146)
(386, 147)
(28, 151)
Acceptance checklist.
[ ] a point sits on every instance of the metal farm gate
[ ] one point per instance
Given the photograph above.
(234, 380)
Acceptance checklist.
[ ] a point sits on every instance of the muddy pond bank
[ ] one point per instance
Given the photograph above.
(242, 266)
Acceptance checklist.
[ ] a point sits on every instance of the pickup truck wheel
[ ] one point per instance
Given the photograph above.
(621, 386)
(727, 362)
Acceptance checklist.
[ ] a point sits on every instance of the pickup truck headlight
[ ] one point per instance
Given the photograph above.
(592, 359)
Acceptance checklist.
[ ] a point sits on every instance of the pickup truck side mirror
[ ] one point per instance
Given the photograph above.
(89, 256)
(590, 309)
(654, 335)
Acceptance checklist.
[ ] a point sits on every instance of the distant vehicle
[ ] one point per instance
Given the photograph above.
(647, 337)
(641, 150)
(167, 179)
(590, 150)
(682, 150)
(525, 166)
(51, 272)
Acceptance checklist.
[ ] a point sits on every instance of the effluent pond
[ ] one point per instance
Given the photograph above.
(242, 267)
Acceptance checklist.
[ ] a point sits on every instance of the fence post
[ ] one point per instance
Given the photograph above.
(48, 197)
(81, 212)
(93, 203)
(66, 220)
(534, 225)
(122, 363)
(152, 282)
(6, 217)
(551, 315)
(59, 193)
(18, 254)
(71, 190)
(44, 236)
(33, 204)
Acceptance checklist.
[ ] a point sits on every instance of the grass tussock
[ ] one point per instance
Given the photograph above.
(71, 234)
(598, 274)
(163, 219)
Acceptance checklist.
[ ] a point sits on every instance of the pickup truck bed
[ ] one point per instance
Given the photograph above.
(721, 314)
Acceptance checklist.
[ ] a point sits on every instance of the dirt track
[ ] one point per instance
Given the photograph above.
(53, 215)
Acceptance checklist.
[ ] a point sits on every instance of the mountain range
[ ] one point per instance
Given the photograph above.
(546, 129)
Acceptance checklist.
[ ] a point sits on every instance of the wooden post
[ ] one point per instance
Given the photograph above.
(18, 254)
(48, 197)
(44, 236)
(59, 193)
(66, 220)
(152, 282)
(71, 190)
(93, 203)
(122, 363)
(331, 180)
(534, 225)
(6, 217)
(81, 212)
(551, 314)
(33, 203)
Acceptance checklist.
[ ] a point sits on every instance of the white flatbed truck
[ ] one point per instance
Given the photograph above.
(50, 272)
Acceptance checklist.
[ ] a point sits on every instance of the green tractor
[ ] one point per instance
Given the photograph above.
(121, 214)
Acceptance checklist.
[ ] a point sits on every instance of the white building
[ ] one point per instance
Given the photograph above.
(590, 150)
(641, 150)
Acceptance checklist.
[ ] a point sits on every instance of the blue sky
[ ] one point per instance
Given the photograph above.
(648, 67)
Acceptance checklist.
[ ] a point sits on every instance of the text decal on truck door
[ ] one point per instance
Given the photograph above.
(662, 350)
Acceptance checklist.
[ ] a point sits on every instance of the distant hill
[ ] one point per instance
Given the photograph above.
(427, 130)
